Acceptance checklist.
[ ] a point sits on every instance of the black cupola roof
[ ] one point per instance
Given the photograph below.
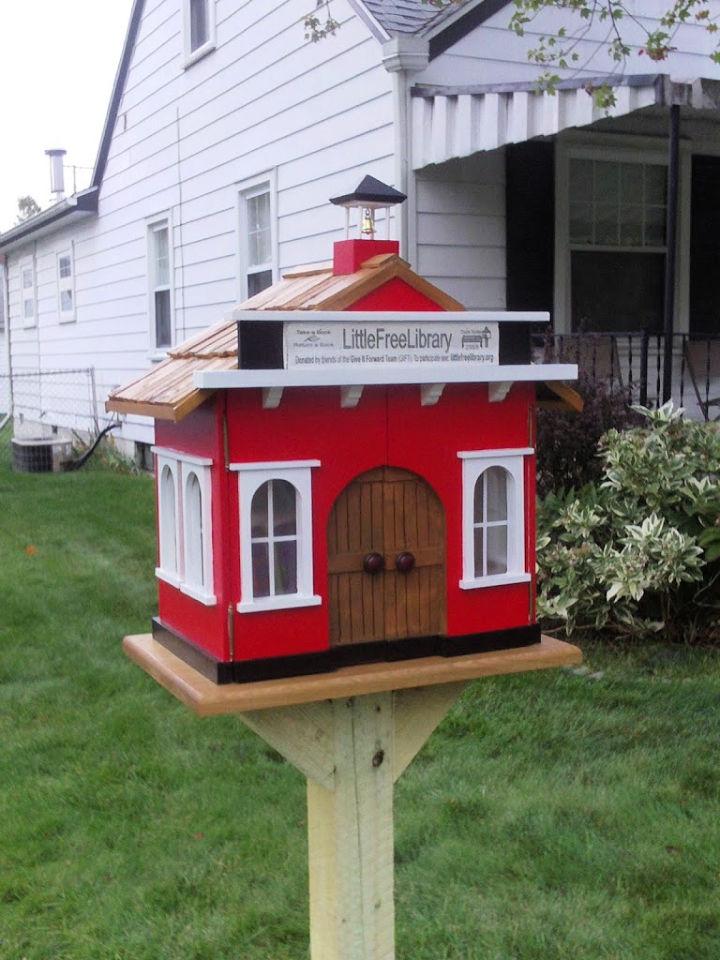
(369, 191)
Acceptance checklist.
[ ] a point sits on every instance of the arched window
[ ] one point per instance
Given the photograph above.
(274, 539)
(185, 523)
(493, 517)
(194, 534)
(276, 535)
(490, 522)
(168, 522)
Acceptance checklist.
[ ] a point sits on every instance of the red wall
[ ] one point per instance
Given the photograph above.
(389, 426)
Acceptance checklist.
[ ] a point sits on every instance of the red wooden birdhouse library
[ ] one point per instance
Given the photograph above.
(346, 471)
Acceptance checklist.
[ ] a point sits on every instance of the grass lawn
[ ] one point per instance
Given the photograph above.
(552, 816)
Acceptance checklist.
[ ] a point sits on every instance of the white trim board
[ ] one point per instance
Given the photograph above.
(271, 465)
(392, 316)
(398, 374)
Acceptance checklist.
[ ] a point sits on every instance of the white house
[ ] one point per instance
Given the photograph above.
(227, 132)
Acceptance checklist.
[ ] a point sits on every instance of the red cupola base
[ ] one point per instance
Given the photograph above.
(350, 255)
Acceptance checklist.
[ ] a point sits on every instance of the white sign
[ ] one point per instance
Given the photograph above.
(313, 345)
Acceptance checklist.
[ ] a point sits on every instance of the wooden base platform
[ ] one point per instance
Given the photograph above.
(207, 698)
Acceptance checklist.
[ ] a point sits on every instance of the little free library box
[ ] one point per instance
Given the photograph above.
(346, 535)
(346, 474)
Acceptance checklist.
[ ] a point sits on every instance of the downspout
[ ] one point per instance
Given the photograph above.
(403, 56)
(5, 294)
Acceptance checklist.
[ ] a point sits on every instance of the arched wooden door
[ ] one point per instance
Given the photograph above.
(390, 513)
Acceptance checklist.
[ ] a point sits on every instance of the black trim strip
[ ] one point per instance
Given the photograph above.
(325, 661)
(464, 25)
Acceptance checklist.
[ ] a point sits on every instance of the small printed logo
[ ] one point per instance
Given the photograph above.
(311, 338)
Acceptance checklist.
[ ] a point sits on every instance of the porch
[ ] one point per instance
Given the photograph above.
(634, 363)
(607, 219)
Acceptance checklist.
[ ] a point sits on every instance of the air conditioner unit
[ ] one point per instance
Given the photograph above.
(40, 455)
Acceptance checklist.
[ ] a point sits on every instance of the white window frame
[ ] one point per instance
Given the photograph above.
(640, 149)
(152, 225)
(164, 571)
(202, 590)
(182, 465)
(253, 187)
(475, 463)
(251, 476)
(66, 283)
(192, 56)
(28, 263)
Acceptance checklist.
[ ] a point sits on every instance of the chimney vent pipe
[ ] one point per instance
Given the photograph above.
(57, 175)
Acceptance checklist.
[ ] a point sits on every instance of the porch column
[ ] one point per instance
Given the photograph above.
(671, 241)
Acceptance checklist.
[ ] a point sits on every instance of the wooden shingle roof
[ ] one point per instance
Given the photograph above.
(167, 392)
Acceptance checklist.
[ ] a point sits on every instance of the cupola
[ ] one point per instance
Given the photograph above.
(369, 196)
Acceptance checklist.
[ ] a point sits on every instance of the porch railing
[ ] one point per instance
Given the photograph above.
(633, 361)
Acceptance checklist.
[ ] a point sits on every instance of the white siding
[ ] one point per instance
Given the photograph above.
(319, 115)
(493, 54)
(460, 229)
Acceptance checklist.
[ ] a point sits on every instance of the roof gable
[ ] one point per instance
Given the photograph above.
(423, 16)
(168, 392)
(402, 16)
(117, 91)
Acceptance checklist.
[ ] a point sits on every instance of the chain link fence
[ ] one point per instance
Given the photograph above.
(53, 405)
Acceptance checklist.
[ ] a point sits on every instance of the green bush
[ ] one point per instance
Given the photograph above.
(637, 551)
(567, 443)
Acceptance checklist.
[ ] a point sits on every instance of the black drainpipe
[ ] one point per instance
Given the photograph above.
(671, 240)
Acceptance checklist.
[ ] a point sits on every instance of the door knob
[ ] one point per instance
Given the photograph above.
(373, 562)
(405, 561)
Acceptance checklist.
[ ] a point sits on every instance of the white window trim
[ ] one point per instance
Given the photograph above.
(251, 476)
(155, 353)
(632, 150)
(474, 463)
(182, 465)
(66, 283)
(28, 263)
(172, 577)
(262, 183)
(199, 591)
(192, 56)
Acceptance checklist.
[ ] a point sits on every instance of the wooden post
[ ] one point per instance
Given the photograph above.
(350, 838)
(351, 733)
(352, 750)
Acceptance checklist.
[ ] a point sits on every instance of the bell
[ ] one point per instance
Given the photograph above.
(367, 228)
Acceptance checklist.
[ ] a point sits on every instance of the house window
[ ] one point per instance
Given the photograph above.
(159, 273)
(185, 523)
(66, 287)
(27, 292)
(276, 568)
(616, 233)
(256, 239)
(493, 517)
(615, 204)
(198, 29)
